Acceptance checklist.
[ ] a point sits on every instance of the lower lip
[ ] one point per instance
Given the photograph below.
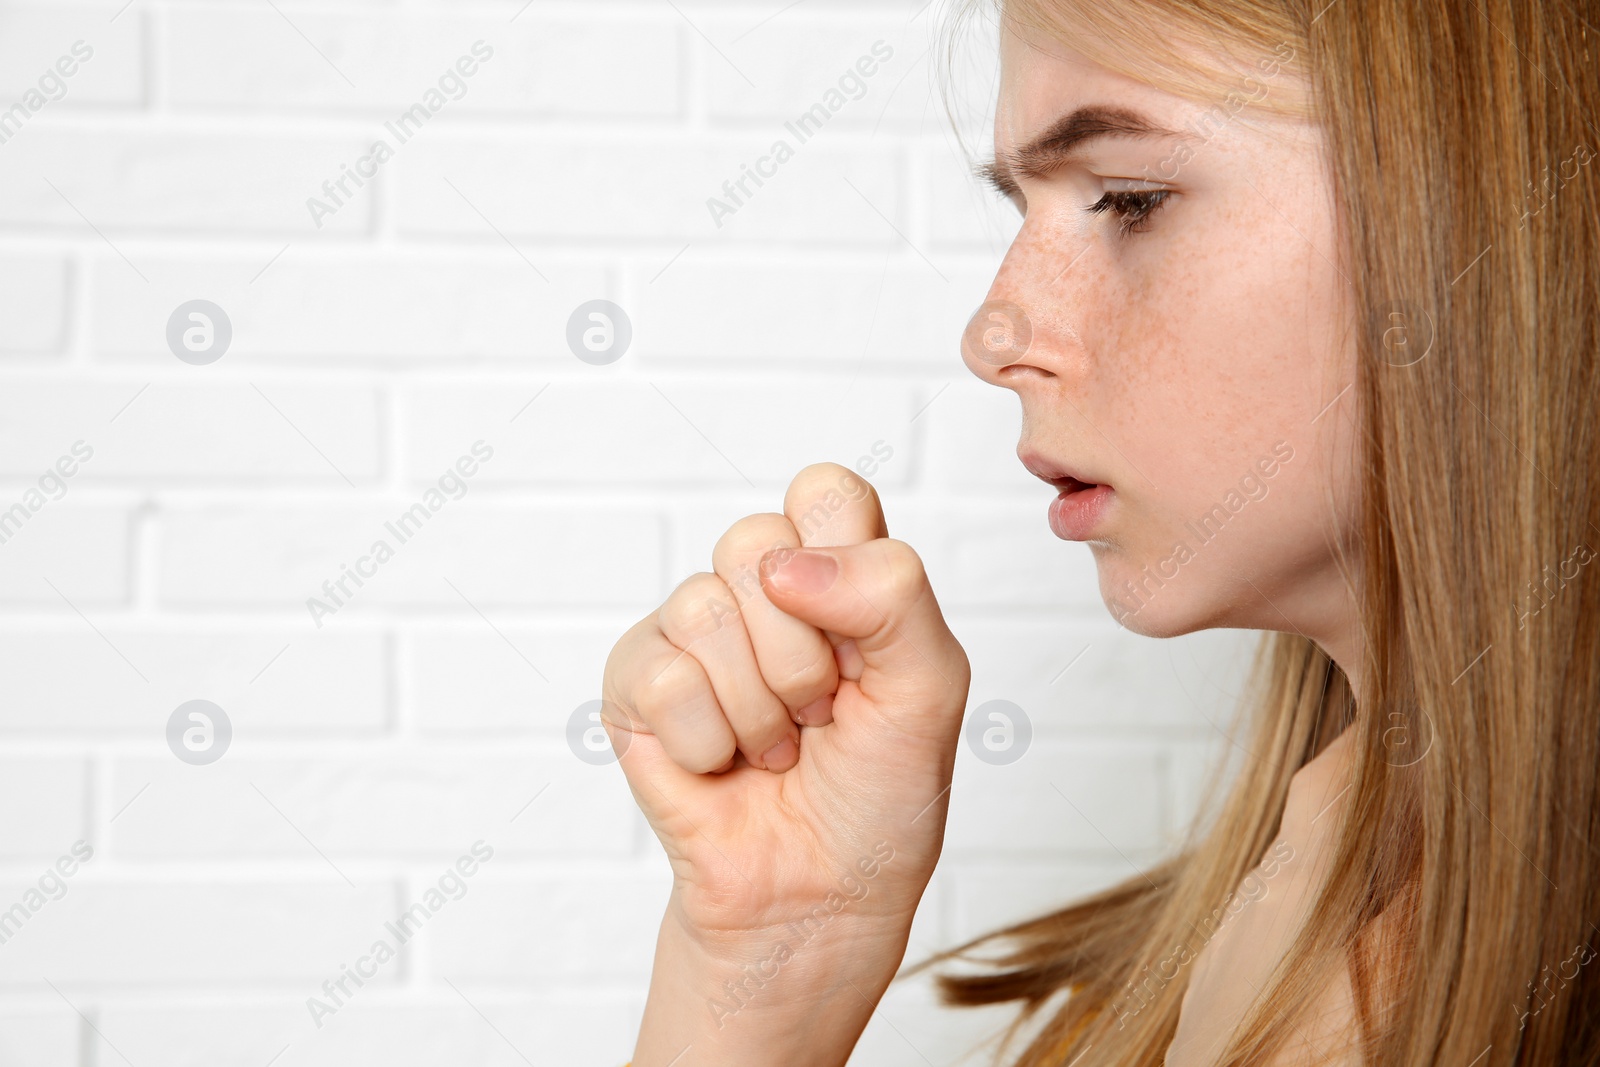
(1074, 514)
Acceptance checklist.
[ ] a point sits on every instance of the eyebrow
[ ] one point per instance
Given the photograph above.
(1055, 145)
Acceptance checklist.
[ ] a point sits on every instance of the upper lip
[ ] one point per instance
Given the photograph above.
(1052, 472)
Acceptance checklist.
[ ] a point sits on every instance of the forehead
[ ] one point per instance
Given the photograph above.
(1044, 78)
(1041, 79)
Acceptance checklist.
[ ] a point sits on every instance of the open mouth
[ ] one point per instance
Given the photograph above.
(1073, 485)
(1077, 512)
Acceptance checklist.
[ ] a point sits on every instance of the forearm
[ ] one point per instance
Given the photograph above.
(797, 998)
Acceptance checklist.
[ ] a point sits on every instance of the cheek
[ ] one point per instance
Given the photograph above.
(1208, 355)
(1210, 349)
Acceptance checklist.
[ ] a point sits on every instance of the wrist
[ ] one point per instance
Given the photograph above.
(755, 997)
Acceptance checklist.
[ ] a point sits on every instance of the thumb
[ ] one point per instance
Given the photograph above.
(876, 592)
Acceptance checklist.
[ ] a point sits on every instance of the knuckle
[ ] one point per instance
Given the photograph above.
(902, 572)
(706, 758)
(752, 536)
(808, 678)
(622, 662)
(820, 477)
(824, 495)
(699, 605)
(619, 714)
(676, 683)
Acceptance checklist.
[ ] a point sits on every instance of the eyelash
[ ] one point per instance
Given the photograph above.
(1133, 208)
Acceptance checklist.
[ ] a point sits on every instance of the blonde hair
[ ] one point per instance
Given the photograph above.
(1457, 139)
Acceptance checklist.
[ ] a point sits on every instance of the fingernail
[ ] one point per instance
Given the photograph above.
(817, 713)
(782, 756)
(795, 570)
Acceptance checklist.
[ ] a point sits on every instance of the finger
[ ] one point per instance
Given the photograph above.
(652, 687)
(703, 618)
(795, 659)
(828, 505)
(878, 594)
(833, 505)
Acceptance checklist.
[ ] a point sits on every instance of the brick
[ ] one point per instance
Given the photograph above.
(1071, 674)
(64, 678)
(680, 433)
(1091, 798)
(572, 927)
(795, 63)
(698, 523)
(396, 1028)
(352, 304)
(45, 799)
(202, 181)
(989, 896)
(999, 555)
(46, 1035)
(514, 180)
(962, 211)
(1195, 767)
(821, 316)
(80, 549)
(385, 806)
(494, 555)
(35, 38)
(33, 303)
(470, 679)
(145, 933)
(239, 431)
(538, 65)
(973, 431)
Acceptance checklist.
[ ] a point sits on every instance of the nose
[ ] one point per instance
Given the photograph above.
(1028, 326)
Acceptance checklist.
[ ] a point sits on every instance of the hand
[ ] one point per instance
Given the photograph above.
(790, 733)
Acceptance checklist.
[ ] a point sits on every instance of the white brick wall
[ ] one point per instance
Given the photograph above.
(426, 313)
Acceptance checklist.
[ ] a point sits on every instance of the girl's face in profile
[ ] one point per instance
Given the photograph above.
(1191, 345)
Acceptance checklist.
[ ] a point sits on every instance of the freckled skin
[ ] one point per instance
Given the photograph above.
(1167, 363)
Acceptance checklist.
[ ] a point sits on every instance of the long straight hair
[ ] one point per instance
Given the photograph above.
(1459, 137)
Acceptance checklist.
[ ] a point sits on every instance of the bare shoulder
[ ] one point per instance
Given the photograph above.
(1316, 789)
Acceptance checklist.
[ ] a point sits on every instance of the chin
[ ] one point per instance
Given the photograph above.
(1153, 621)
(1171, 609)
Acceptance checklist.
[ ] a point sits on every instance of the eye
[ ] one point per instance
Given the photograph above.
(1133, 208)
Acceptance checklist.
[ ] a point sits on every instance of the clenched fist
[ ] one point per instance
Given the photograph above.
(788, 725)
